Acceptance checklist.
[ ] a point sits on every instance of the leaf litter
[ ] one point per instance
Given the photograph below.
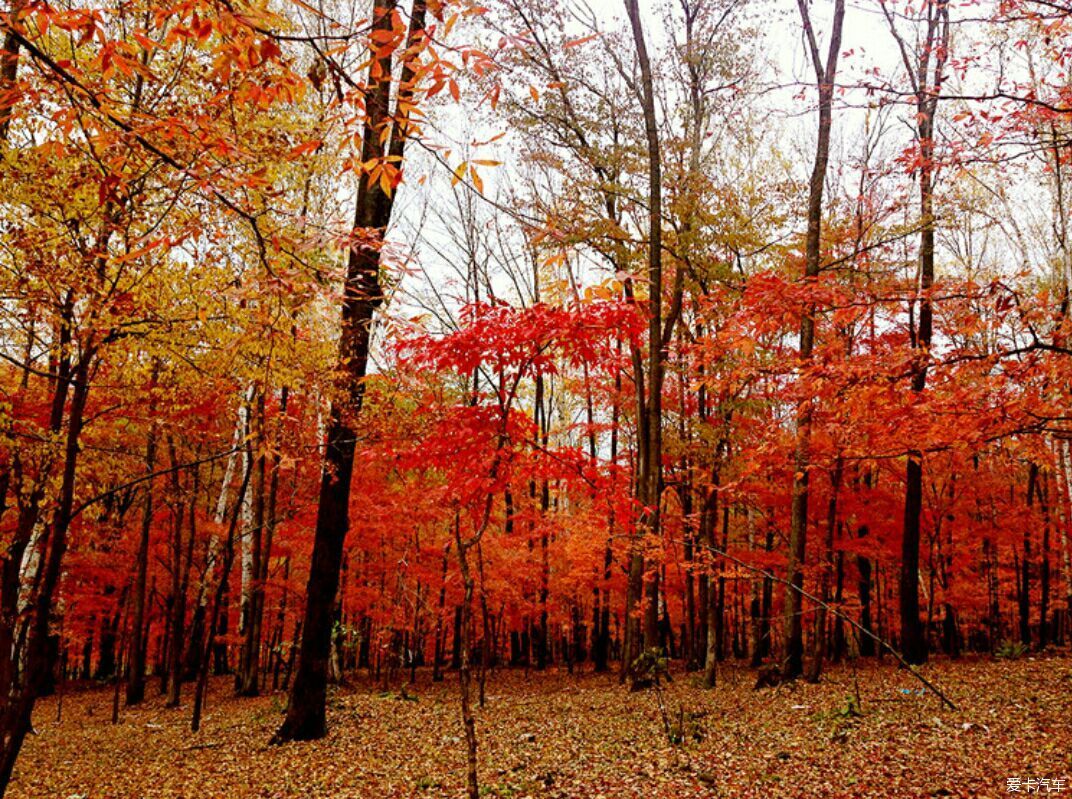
(562, 736)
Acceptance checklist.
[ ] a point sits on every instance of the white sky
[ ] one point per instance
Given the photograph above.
(867, 44)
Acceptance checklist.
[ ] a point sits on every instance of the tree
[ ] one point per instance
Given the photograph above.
(649, 444)
(926, 71)
(824, 77)
(383, 147)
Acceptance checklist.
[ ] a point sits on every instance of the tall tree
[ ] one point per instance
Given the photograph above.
(925, 70)
(383, 146)
(135, 683)
(649, 449)
(825, 73)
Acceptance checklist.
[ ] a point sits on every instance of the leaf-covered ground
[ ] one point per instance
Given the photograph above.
(558, 735)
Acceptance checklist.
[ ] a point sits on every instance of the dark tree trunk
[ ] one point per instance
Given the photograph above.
(839, 644)
(437, 655)
(40, 645)
(456, 640)
(913, 639)
(464, 675)
(708, 518)
(863, 568)
(761, 643)
(107, 664)
(720, 595)
(649, 482)
(793, 665)
(191, 665)
(136, 670)
(220, 659)
(932, 50)
(181, 586)
(9, 67)
(950, 633)
(218, 601)
(1044, 566)
(1024, 571)
(818, 650)
(306, 713)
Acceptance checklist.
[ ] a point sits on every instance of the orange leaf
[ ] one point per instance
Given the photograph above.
(579, 42)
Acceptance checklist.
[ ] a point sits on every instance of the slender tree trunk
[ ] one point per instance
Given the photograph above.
(720, 600)
(1024, 582)
(761, 645)
(1065, 483)
(863, 569)
(818, 649)
(218, 606)
(175, 665)
(485, 639)
(839, 642)
(124, 611)
(708, 518)
(9, 68)
(107, 663)
(601, 653)
(464, 675)
(688, 643)
(249, 660)
(1044, 566)
(17, 709)
(437, 656)
(136, 669)
(793, 665)
(306, 713)
(933, 49)
(650, 481)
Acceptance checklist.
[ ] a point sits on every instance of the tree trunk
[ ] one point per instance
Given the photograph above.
(863, 568)
(650, 471)
(218, 601)
(793, 664)
(9, 68)
(819, 639)
(720, 595)
(175, 664)
(136, 669)
(306, 713)
(246, 680)
(707, 537)
(464, 675)
(437, 654)
(1044, 567)
(18, 704)
(927, 87)
(761, 645)
(1024, 580)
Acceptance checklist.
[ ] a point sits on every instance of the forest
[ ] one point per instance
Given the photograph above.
(542, 398)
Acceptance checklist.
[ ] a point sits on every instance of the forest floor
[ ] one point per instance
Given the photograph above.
(560, 735)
